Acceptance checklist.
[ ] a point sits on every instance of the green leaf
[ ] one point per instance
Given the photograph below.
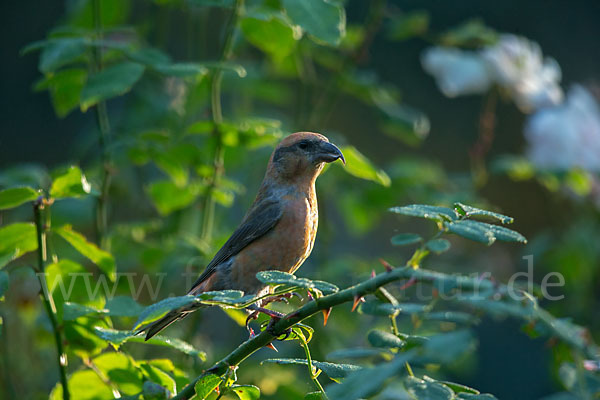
(414, 23)
(168, 197)
(359, 166)
(425, 211)
(206, 385)
(427, 389)
(380, 308)
(121, 370)
(279, 277)
(269, 32)
(110, 82)
(14, 197)
(505, 234)
(117, 338)
(153, 391)
(438, 246)
(123, 306)
(334, 371)
(405, 239)
(158, 376)
(16, 240)
(384, 339)
(323, 20)
(72, 311)
(84, 385)
(158, 310)
(62, 281)
(484, 233)
(101, 258)
(60, 52)
(472, 230)
(65, 88)
(313, 396)
(356, 353)
(469, 211)
(246, 392)
(368, 381)
(4, 281)
(458, 388)
(72, 183)
(451, 316)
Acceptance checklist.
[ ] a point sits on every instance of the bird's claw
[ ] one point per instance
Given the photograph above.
(277, 335)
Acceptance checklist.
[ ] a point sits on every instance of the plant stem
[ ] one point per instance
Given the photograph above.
(47, 300)
(104, 139)
(311, 369)
(370, 286)
(217, 117)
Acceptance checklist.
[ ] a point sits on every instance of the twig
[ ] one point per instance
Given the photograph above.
(104, 139)
(362, 289)
(481, 147)
(38, 205)
(217, 117)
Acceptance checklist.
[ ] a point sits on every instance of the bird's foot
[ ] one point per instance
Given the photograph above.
(275, 317)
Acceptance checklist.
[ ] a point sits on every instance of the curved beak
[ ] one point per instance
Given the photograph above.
(329, 152)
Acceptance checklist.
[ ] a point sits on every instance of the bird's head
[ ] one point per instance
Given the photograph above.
(301, 156)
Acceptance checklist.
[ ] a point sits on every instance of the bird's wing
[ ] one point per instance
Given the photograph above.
(261, 219)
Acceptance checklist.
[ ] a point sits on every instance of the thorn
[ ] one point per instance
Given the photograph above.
(251, 332)
(270, 346)
(373, 274)
(218, 391)
(408, 283)
(388, 267)
(435, 293)
(326, 315)
(310, 297)
(357, 300)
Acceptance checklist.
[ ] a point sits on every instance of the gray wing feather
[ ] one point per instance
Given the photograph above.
(260, 220)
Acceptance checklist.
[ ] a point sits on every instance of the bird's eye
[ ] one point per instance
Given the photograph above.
(303, 145)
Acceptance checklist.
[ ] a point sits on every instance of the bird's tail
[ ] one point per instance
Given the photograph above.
(162, 323)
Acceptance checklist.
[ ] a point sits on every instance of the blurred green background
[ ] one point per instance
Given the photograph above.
(368, 92)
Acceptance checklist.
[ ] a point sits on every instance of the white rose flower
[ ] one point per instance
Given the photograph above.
(517, 65)
(456, 72)
(566, 136)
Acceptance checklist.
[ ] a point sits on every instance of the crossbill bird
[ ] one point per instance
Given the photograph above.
(278, 231)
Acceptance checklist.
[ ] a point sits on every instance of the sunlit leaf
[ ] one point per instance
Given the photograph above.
(153, 391)
(84, 385)
(14, 197)
(121, 370)
(269, 32)
(101, 258)
(110, 82)
(168, 197)
(206, 385)
(71, 183)
(158, 376)
(246, 392)
(16, 240)
(323, 20)
(358, 165)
